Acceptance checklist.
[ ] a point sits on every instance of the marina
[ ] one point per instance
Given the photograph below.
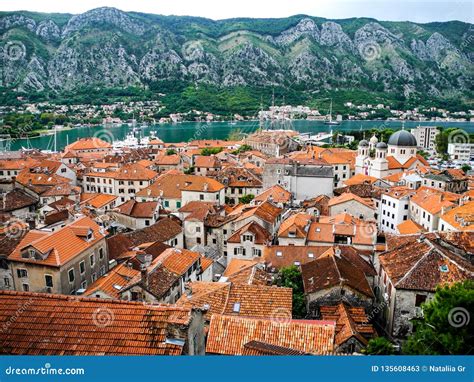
(187, 131)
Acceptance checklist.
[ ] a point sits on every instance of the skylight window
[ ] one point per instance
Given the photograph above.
(279, 254)
(236, 307)
(444, 268)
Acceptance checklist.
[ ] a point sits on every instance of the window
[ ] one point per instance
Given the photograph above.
(178, 204)
(101, 253)
(257, 252)
(92, 260)
(6, 282)
(71, 275)
(247, 238)
(82, 267)
(201, 197)
(419, 299)
(84, 285)
(26, 287)
(22, 273)
(167, 203)
(48, 281)
(236, 307)
(198, 229)
(147, 223)
(279, 254)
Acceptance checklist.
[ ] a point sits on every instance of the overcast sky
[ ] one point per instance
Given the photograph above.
(418, 11)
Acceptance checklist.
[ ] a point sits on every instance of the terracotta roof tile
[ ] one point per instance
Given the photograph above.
(285, 256)
(238, 299)
(461, 218)
(276, 193)
(88, 144)
(346, 197)
(334, 270)
(229, 334)
(350, 322)
(424, 262)
(169, 185)
(113, 282)
(136, 209)
(60, 246)
(69, 325)
(261, 235)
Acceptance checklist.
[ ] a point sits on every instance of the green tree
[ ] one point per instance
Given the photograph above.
(447, 327)
(170, 152)
(442, 139)
(246, 199)
(379, 346)
(210, 151)
(242, 149)
(466, 168)
(424, 154)
(290, 277)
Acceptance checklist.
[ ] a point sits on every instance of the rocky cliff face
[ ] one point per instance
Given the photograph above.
(111, 48)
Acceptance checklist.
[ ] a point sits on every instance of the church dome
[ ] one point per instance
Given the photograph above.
(363, 143)
(402, 138)
(381, 145)
(374, 140)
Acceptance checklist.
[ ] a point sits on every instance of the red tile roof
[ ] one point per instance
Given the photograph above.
(136, 209)
(350, 322)
(224, 297)
(424, 262)
(279, 256)
(261, 235)
(332, 270)
(88, 144)
(276, 193)
(45, 324)
(229, 334)
(60, 246)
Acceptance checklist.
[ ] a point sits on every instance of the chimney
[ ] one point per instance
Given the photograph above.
(188, 290)
(206, 187)
(144, 275)
(144, 269)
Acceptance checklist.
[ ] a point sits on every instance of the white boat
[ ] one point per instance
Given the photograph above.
(131, 141)
(330, 121)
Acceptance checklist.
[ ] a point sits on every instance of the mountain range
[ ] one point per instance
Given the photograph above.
(105, 47)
